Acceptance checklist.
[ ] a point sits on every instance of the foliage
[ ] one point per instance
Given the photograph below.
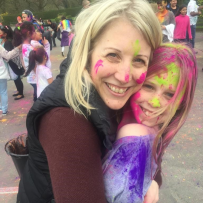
(53, 14)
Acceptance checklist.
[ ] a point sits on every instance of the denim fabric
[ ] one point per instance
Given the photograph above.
(4, 95)
(193, 32)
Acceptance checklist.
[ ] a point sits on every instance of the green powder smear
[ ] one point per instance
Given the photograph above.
(136, 47)
(172, 77)
(155, 102)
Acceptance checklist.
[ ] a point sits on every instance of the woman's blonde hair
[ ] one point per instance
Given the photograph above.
(89, 26)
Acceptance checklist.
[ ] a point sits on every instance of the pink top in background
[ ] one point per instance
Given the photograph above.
(182, 26)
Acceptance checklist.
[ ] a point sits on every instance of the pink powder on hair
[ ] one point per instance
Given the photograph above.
(98, 64)
(142, 78)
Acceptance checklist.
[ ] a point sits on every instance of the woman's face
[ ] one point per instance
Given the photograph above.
(155, 94)
(183, 11)
(37, 35)
(119, 63)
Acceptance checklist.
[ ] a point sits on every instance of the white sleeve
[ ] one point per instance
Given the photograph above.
(9, 54)
(47, 48)
(47, 73)
(192, 6)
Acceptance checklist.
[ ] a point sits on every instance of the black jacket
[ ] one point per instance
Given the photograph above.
(35, 185)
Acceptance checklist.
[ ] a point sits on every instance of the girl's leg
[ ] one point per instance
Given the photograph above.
(4, 95)
(62, 50)
(19, 85)
(35, 92)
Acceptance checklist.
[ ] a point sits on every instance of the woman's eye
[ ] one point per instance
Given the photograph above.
(139, 60)
(112, 55)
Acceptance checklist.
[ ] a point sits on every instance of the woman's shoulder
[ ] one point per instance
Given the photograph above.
(135, 129)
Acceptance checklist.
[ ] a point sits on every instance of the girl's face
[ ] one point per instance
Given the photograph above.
(2, 34)
(119, 63)
(155, 94)
(38, 35)
(183, 11)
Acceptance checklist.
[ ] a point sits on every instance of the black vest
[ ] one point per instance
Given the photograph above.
(35, 185)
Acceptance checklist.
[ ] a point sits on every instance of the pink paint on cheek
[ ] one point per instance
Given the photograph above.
(98, 64)
(127, 77)
(142, 78)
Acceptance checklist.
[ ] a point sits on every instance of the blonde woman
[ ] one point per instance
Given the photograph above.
(75, 119)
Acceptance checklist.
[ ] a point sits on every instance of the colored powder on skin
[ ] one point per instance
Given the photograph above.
(127, 77)
(142, 78)
(155, 102)
(136, 47)
(98, 64)
(172, 76)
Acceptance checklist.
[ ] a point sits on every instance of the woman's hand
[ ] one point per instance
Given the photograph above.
(44, 40)
(152, 195)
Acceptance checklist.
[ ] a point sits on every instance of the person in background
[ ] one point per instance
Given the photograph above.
(182, 25)
(193, 11)
(66, 28)
(167, 21)
(37, 62)
(6, 37)
(173, 6)
(54, 29)
(20, 22)
(85, 4)
(27, 15)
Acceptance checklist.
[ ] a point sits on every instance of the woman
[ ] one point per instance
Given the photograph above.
(66, 29)
(6, 35)
(110, 56)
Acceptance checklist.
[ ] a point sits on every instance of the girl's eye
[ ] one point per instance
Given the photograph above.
(147, 86)
(169, 95)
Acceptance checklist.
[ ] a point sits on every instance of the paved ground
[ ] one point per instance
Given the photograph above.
(182, 164)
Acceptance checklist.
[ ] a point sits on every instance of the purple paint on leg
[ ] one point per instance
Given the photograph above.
(142, 78)
(98, 64)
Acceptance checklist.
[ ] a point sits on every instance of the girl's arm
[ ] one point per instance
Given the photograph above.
(189, 29)
(9, 54)
(50, 80)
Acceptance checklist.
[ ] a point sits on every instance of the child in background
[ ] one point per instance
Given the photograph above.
(23, 35)
(182, 25)
(150, 121)
(35, 43)
(43, 73)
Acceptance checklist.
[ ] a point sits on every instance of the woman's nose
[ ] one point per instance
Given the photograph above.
(123, 74)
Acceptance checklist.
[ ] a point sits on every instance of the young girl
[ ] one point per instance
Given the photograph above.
(6, 37)
(35, 43)
(151, 120)
(182, 25)
(66, 28)
(23, 35)
(43, 73)
(4, 76)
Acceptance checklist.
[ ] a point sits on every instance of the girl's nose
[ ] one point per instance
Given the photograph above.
(155, 102)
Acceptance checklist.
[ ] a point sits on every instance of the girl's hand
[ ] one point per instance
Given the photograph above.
(20, 47)
(152, 195)
(44, 40)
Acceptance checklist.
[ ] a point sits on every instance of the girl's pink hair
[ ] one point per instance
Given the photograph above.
(183, 57)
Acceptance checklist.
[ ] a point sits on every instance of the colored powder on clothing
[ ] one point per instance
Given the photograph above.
(98, 64)
(142, 78)
(155, 102)
(136, 47)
